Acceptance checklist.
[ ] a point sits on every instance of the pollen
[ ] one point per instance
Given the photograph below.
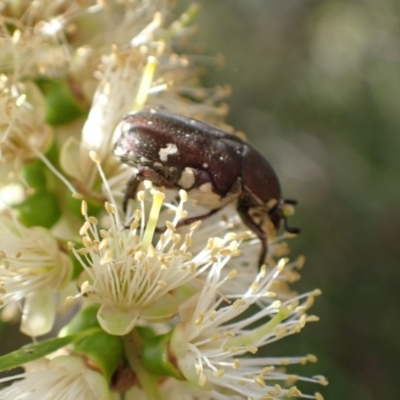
(84, 229)
(188, 240)
(183, 196)
(259, 381)
(225, 252)
(84, 208)
(230, 236)
(252, 349)
(195, 225)
(312, 358)
(219, 373)
(254, 286)
(87, 242)
(170, 226)
(293, 392)
(199, 319)
(110, 208)
(93, 220)
(268, 370)
(232, 274)
(94, 156)
(20, 100)
(202, 379)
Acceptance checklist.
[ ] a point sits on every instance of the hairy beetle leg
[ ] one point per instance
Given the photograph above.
(261, 234)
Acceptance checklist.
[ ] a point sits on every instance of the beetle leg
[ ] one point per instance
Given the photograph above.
(188, 221)
(253, 226)
(130, 191)
(143, 174)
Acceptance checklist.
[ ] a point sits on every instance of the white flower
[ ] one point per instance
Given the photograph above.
(212, 346)
(63, 378)
(33, 268)
(132, 278)
(23, 132)
(171, 389)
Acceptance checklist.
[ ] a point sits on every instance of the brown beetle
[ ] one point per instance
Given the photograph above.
(213, 166)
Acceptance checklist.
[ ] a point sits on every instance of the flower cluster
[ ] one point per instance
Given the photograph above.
(137, 303)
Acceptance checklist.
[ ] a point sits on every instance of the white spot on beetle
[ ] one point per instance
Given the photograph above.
(125, 128)
(204, 196)
(206, 188)
(205, 165)
(186, 180)
(119, 151)
(167, 151)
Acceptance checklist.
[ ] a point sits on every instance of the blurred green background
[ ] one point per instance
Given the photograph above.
(316, 87)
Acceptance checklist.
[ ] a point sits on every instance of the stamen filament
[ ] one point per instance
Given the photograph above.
(145, 84)
(51, 167)
(250, 339)
(158, 199)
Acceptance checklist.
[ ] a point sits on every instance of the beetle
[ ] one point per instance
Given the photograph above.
(215, 168)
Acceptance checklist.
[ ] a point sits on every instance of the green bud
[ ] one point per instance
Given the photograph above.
(103, 350)
(155, 357)
(86, 318)
(62, 105)
(40, 209)
(34, 173)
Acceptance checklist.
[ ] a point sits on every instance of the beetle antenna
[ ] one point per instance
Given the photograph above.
(290, 229)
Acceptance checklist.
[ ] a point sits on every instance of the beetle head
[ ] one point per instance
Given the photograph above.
(135, 141)
(125, 145)
(282, 211)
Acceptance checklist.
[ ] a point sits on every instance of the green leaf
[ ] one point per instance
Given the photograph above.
(35, 351)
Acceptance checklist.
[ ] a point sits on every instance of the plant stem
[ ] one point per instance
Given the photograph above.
(133, 344)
